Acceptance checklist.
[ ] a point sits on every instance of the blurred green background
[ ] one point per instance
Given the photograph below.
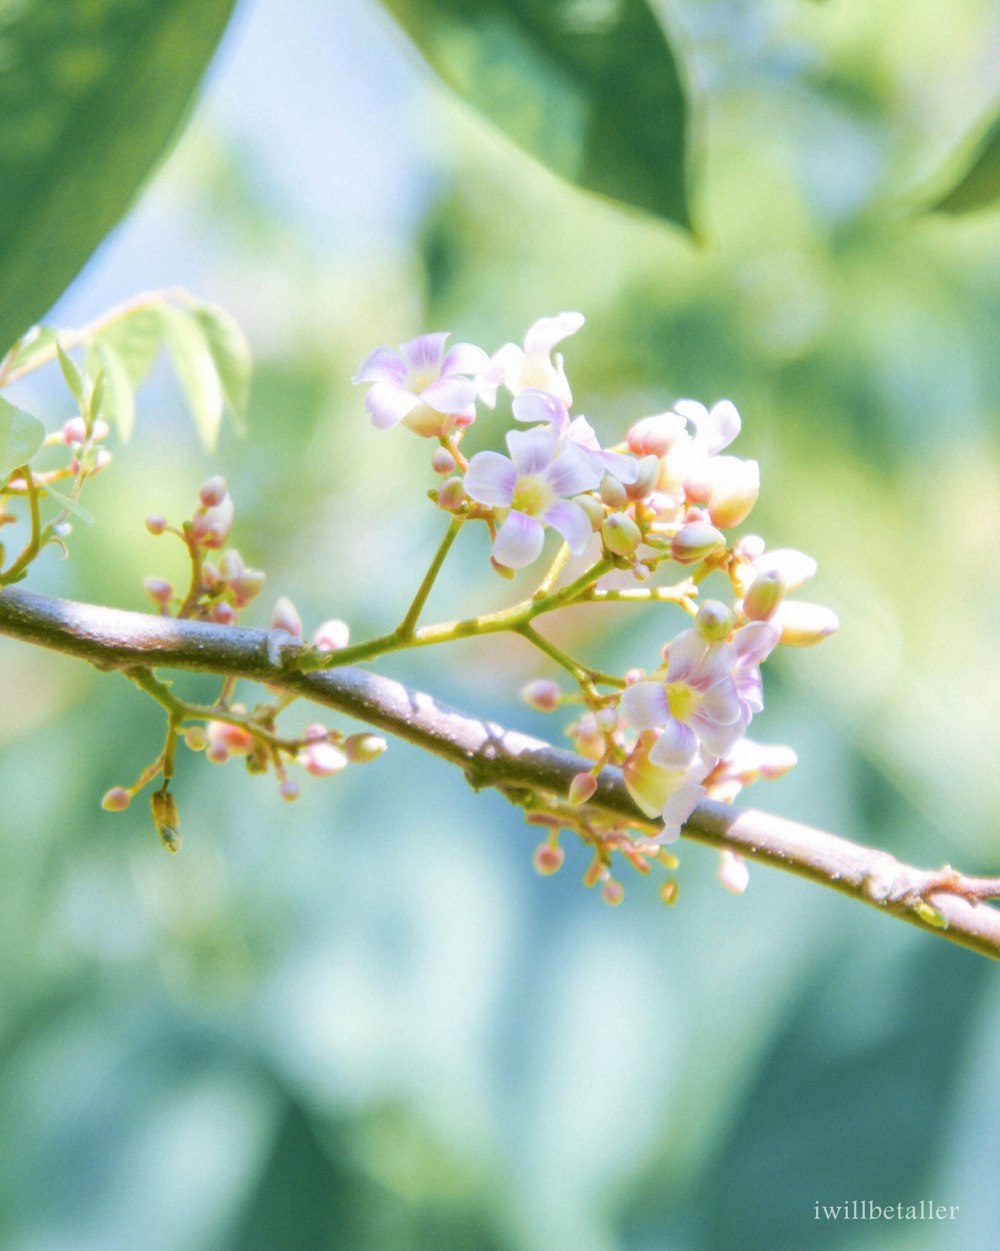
(363, 1021)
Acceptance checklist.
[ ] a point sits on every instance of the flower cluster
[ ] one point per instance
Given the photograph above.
(665, 498)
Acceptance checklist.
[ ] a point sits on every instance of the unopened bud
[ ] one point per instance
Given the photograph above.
(714, 621)
(620, 534)
(156, 524)
(210, 576)
(284, 616)
(213, 491)
(606, 720)
(228, 738)
(655, 436)
(322, 759)
(231, 565)
(613, 492)
(694, 542)
(158, 590)
(116, 800)
(593, 508)
(612, 892)
(100, 430)
(166, 819)
(765, 596)
(210, 526)
(795, 567)
(451, 494)
(196, 738)
(543, 695)
(289, 790)
(223, 613)
(443, 462)
(247, 586)
(804, 625)
(735, 487)
(74, 431)
(669, 891)
(548, 859)
(733, 873)
(101, 461)
(363, 748)
(647, 477)
(582, 788)
(331, 636)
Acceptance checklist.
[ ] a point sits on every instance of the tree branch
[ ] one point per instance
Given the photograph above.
(942, 902)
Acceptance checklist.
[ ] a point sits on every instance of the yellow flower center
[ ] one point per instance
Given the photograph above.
(532, 495)
(683, 700)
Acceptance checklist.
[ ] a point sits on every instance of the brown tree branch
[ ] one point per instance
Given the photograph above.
(943, 901)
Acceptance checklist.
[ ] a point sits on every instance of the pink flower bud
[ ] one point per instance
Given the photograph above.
(695, 542)
(218, 754)
(210, 576)
(582, 788)
(234, 739)
(735, 487)
(223, 613)
(117, 799)
(612, 492)
(101, 461)
(606, 720)
(363, 748)
(714, 621)
(289, 790)
(74, 431)
(231, 565)
(620, 534)
(443, 462)
(543, 695)
(804, 625)
(451, 494)
(158, 590)
(210, 526)
(247, 586)
(100, 430)
(612, 892)
(213, 491)
(733, 872)
(331, 636)
(749, 547)
(548, 859)
(764, 598)
(284, 616)
(655, 436)
(322, 759)
(155, 523)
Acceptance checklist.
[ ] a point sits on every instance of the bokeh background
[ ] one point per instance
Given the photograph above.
(363, 1021)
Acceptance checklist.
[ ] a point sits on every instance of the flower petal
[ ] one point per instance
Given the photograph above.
(531, 450)
(519, 540)
(533, 404)
(681, 803)
(382, 365)
(571, 522)
(676, 747)
(721, 703)
(389, 404)
(644, 705)
(490, 479)
(548, 331)
(756, 641)
(687, 651)
(465, 358)
(424, 352)
(570, 472)
(449, 395)
(719, 427)
(718, 740)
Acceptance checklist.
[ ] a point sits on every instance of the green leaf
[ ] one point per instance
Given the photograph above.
(230, 353)
(64, 501)
(118, 406)
(590, 88)
(33, 343)
(91, 94)
(196, 370)
(978, 186)
(71, 372)
(134, 340)
(21, 435)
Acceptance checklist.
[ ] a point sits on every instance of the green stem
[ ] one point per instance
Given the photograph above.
(554, 570)
(34, 543)
(584, 674)
(405, 628)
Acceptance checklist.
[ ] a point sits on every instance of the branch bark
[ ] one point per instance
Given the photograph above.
(492, 755)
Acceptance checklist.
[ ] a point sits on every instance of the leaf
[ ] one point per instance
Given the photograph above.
(71, 372)
(21, 435)
(979, 186)
(590, 88)
(196, 370)
(118, 406)
(33, 343)
(64, 501)
(91, 94)
(230, 353)
(134, 340)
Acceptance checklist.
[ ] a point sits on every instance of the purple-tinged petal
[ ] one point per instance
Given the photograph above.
(572, 523)
(490, 479)
(644, 705)
(721, 703)
(531, 450)
(750, 690)
(425, 352)
(548, 331)
(465, 358)
(624, 468)
(716, 665)
(583, 434)
(795, 567)
(717, 428)
(686, 653)
(718, 740)
(681, 803)
(676, 747)
(519, 540)
(388, 404)
(570, 472)
(382, 365)
(449, 395)
(531, 404)
(756, 641)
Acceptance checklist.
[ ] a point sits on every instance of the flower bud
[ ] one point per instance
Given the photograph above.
(612, 892)
(735, 487)
(247, 586)
(694, 542)
(210, 526)
(543, 695)
(117, 799)
(647, 476)
(655, 436)
(714, 621)
(794, 567)
(155, 523)
(196, 738)
(289, 790)
(765, 596)
(100, 430)
(612, 492)
(669, 891)
(733, 872)
(331, 636)
(222, 613)
(322, 759)
(606, 720)
(158, 590)
(166, 819)
(804, 625)
(363, 748)
(101, 461)
(443, 462)
(74, 431)
(284, 616)
(620, 534)
(451, 494)
(232, 739)
(213, 491)
(548, 859)
(593, 508)
(582, 788)
(231, 565)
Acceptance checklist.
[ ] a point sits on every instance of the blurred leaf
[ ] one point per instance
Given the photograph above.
(196, 370)
(92, 92)
(21, 435)
(70, 371)
(70, 505)
(979, 186)
(590, 88)
(37, 340)
(135, 340)
(230, 354)
(118, 407)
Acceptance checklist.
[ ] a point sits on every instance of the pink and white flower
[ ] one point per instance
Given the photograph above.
(534, 485)
(535, 404)
(671, 794)
(534, 365)
(426, 388)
